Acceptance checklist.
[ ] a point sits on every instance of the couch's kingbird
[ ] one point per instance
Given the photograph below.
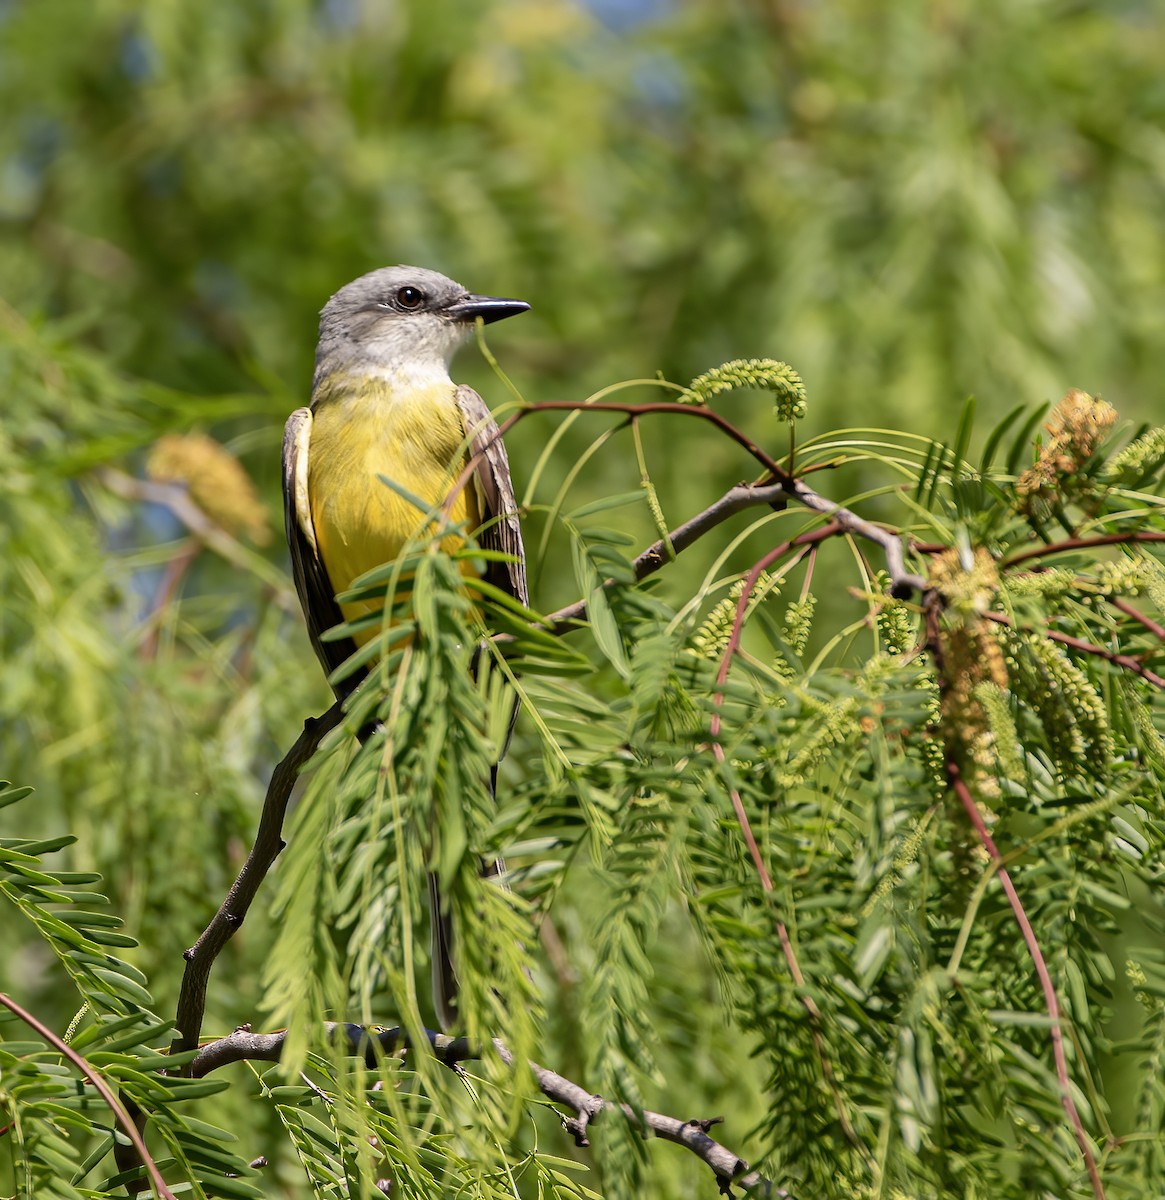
(383, 403)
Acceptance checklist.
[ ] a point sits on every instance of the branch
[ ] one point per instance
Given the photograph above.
(781, 486)
(266, 848)
(730, 1169)
(657, 555)
(736, 499)
(1122, 605)
(674, 407)
(177, 499)
(103, 1090)
(1084, 543)
(1050, 1000)
(903, 584)
(1119, 660)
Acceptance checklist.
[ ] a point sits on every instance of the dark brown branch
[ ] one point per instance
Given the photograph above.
(730, 1169)
(103, 1090)
(267, 846)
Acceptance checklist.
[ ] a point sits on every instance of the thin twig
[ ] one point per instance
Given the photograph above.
(266, 848)
(736, 499)
(1122, 605)
(103, 1090)
(373, 1042)
(175, 572)
(1119, 660)
(177, 499)
(812, 540)
(700, 411)
(1084, 543)
(1037, 955)
(902, 582)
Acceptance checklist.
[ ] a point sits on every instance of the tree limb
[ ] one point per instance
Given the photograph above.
(729, 1168)
(266, 848)
(780, 486)
(1084, 543)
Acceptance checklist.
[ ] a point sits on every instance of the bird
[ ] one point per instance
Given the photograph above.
(384, 404)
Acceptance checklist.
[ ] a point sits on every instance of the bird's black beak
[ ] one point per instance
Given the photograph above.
(489, 308)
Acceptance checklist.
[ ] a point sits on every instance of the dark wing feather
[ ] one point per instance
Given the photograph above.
(499, 516)
(495, 492)
(316, 595)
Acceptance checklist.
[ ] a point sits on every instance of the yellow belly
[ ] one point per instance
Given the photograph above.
(360, 523)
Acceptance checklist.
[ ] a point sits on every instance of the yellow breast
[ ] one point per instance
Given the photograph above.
(415, 438)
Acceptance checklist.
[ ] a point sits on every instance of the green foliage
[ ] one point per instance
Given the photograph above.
(910, 207)
(58, 1129)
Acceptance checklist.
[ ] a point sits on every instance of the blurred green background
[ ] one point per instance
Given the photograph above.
(909, 202)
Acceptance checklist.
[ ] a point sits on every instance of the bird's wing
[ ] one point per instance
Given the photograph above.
(316, 596)
(495, 493)
(499, 517)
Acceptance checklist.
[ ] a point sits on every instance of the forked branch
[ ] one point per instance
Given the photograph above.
(585, 1107)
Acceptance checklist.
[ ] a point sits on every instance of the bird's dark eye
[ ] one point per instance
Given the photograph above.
(410, 297)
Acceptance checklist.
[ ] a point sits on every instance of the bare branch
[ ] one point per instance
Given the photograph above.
(781, 485)
(266, 848)
(736, 499)
(903, 584)
(373, 1042)
(1122, 605)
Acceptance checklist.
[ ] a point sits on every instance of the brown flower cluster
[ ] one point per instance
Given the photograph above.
(968, 582)
(215, 480)
(1077, 425)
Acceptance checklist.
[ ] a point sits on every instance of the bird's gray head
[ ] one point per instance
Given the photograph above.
(401, 321)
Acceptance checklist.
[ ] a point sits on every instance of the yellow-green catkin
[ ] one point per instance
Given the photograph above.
(897, 621)
(1072, 714)
(1005, 741)
(799, 623)
(710, 638)
(764, 374)
(1139, 460)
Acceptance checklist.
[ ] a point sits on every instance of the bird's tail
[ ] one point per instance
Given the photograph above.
(444, 973)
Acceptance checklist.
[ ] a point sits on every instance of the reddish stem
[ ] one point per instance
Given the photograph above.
(1052, 1003)
(1083, 543)
(1122, 605)
(103, 1091)
(725, 426)
(1119, 660)
(804, 539)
